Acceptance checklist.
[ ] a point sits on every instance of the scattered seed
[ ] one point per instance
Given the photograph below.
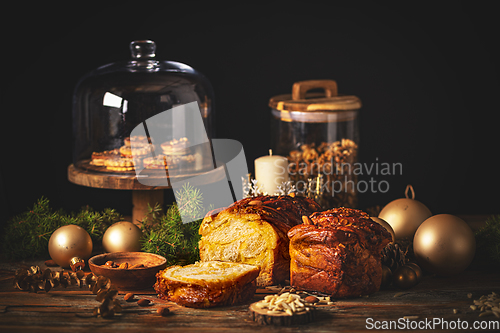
(485, 313)
(410, 317)
(260, 305)
(273, 312)
(487, 305)
(286, 302)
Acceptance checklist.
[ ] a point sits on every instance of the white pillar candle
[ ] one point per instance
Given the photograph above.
(270, 172)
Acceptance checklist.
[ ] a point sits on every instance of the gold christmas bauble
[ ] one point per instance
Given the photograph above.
(122, 237)
(417, 270)
(444, 244)
(386, 225)
(405, 277)
(405, 215)
(68, 242)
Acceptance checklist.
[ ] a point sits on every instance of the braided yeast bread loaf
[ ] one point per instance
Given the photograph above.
(338, 252)
(254, 231)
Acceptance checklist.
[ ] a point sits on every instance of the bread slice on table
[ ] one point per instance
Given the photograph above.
(254, 231)
(207, 284)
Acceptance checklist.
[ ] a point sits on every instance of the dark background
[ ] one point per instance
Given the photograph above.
(427, 75)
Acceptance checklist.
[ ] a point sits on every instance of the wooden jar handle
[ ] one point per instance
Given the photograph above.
(300, 88)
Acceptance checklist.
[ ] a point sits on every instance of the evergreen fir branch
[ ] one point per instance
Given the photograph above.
(488, 241)
(166, 234)
(27, 234)
(190, 202)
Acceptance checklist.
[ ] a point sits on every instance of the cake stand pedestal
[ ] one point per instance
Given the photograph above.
(142, 195)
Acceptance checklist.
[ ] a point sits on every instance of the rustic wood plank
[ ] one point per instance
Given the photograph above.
(70, 309)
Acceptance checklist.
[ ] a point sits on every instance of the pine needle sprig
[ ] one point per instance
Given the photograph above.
(488, 241)
(167, 235)
(190, 202)
(27, 234)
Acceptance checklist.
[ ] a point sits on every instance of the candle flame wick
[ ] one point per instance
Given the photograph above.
(270, 152)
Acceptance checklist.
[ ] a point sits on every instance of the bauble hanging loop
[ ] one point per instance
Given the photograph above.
(76, 264)
(409, 187)
(405, 215)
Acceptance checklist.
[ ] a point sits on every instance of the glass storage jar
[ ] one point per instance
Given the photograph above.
(109, 102)
(317, 130)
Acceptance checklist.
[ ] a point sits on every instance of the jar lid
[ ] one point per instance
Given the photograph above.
(302, 100)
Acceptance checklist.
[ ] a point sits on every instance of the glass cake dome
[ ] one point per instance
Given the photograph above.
(109, 102)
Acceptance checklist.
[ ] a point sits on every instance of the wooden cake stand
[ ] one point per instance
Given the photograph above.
(142, 195)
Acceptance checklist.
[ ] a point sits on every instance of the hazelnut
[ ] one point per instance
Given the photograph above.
(123, 265)
(311, 299)
(143, 302)
(163, 311)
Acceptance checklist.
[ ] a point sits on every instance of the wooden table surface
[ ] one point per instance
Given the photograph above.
(70, 309)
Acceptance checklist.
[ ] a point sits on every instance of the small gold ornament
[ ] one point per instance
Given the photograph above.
(405, 277)
(122, 237)
(405, 215)
(68, 242)
(417, 270)
(444, 244)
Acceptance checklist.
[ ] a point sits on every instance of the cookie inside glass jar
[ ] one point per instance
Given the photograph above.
(324, 172)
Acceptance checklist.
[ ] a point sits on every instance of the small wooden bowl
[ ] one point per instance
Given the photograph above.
(129, 279)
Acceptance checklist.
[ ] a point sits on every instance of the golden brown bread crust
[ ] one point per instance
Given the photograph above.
(254, 231)
(203, 292)
(195, 296)
(338, 253)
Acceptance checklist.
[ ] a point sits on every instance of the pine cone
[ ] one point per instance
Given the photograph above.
(393, 256)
